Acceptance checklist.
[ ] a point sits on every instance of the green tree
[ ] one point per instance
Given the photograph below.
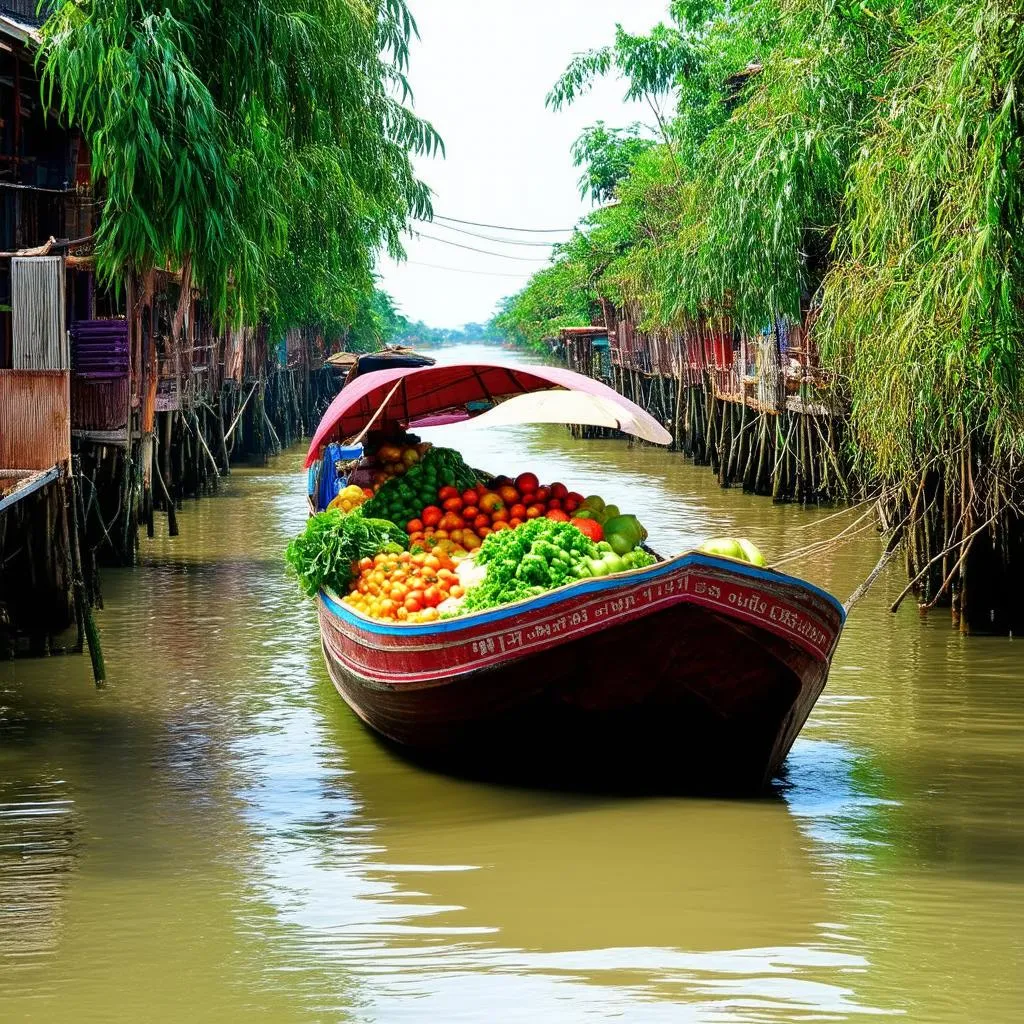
(262, 147)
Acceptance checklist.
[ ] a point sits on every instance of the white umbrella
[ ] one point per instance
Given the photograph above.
(561, 406)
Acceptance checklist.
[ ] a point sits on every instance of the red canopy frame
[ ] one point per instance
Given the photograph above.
(432, 390)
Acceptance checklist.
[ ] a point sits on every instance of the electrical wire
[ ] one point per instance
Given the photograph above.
(495, 238)
(484, 252)
(505, 227)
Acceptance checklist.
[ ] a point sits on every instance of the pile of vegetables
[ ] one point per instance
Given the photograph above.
(540, 556)
(396, 459)
(404, 497)
(350, 497)
(466, 544)
(734, 547)
(405, 587)
(328, 549)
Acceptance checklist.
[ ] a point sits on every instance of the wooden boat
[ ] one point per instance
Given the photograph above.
(697, 672)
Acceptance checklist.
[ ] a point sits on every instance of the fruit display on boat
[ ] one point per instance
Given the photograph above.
(436, 538)
(734, 547)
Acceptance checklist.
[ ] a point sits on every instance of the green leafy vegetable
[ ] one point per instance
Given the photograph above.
(325, 552)
(539, 556)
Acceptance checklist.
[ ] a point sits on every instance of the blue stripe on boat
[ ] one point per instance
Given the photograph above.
(591, 586)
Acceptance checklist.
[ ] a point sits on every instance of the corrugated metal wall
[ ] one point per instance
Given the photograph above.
(34, 418)
(37, 313)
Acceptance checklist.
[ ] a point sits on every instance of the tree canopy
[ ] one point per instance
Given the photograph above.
(861, 158)
(263, 146)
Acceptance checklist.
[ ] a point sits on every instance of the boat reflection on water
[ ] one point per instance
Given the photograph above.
(414, 883)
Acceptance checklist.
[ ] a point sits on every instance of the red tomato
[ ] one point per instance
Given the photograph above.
(541, 495)
(589, 528)
(414, 526)
(559, 491)
(431, 515)
(447, 492)
(413, 603)
(432, 597)
(570, 504)
(450, 521)
(501, 525)
(516, 520)
(529, 499)
(575, 496)
(453, 504)
(484, 531)
(470, 512)
(500, 515)
(508, 494)
(534, 511)
(558, 516)
(517, 511)
(527, 483)
(481, 522)
(469, 496)
(554, 504)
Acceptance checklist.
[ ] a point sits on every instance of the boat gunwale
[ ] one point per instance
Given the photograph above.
(585, 586)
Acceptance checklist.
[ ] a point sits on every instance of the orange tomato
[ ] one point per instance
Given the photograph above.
(516, 520)
(365, 563)
(405, 557)
(419, 559)
(432, 597)
(387, 607)
(447, 492)
(412, 604)
(500, 515)
(432, 562)
(431, 515)
(490, 502)
(429, 615)
(508, 494)
(414, 526)
(402, 613)
(517, 511)
(441, 535)
(501, 524)
(450, 521)
(527, 483)
(481, 522)
(453, 504)
(534, 511)
(469, 496)
(456, 591)
(541, 495)
(484, 531)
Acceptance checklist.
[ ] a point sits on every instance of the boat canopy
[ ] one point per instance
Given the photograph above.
(412, 394)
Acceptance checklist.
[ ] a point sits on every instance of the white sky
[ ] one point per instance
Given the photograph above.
(480, 74)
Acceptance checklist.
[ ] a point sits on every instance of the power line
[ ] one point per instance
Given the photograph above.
(495, 238)
(505, 227)
(485, 252)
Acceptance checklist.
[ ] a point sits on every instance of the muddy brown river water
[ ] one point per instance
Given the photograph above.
(215, 837)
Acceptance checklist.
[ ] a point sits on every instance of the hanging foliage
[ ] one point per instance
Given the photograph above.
(267, 144)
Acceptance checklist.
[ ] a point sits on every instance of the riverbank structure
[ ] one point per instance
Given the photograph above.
(129, 380)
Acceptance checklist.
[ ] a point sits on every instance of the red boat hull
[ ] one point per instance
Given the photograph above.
(696, 672)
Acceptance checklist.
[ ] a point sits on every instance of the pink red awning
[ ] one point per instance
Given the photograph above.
(415, 393)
